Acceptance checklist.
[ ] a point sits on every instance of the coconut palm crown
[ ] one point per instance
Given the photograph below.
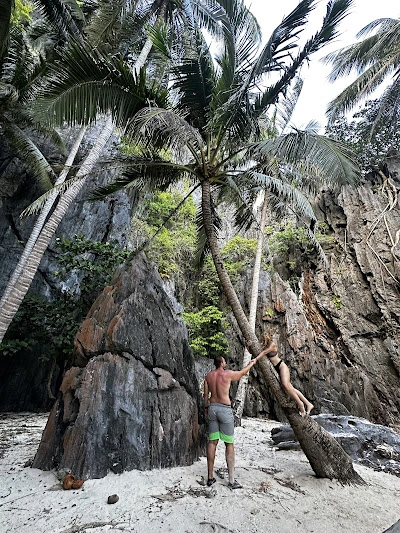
(213, 122)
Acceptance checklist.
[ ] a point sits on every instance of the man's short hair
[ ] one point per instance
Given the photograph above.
(218, 361)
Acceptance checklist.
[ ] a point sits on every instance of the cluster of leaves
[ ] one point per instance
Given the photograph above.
(238, 254)
(371, 143)
(94, 262)
(21, 13)
(205, 329)
(168, 227)
(287, 240)
(49, 327)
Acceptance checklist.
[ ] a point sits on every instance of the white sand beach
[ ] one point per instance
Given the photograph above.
(280, 492)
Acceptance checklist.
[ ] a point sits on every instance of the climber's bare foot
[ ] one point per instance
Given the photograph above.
(302, 413)
(310, 407)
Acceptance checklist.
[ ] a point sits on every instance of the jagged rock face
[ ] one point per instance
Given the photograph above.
(132, 400)
(340, 333)
(108, 220)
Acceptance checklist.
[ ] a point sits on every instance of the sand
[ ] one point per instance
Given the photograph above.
(280, 492)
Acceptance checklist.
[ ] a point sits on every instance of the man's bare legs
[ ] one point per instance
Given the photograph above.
(211, 451)
(230, 460)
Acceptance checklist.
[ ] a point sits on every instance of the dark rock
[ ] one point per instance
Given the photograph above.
(133, 401)
(395, 528)
(113, 498)
(369, 444)
(24, 377)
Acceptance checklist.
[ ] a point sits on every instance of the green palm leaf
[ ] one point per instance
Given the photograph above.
(311, 154)
(28, 152)
(86, 84)
(166, 129)
(143, 174)
(374, 59)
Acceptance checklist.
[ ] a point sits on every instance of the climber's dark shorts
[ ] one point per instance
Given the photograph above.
(220, 422)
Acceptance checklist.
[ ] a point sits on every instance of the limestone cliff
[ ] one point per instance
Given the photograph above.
(340, 334)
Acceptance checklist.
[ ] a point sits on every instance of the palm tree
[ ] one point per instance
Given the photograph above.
(98, 84)
(278, 124)
(376, 58)
(215, 124)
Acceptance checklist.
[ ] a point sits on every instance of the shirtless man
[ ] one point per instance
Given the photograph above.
(220, 415)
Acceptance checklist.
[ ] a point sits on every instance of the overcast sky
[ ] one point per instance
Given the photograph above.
(317, 91)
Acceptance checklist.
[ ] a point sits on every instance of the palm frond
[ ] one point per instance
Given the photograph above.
(320, 157)
(37, 205)
(159, 35)
(86, 83)
(119, 24)
(357, 91)
(336, 12)
(389, 105)
(287, 106)
(284, 192)
(62, 15)
(29, 153)
(166, 129)
(194, 79)
(143, 174)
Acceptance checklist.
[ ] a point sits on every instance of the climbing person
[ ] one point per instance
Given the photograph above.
(271, 351)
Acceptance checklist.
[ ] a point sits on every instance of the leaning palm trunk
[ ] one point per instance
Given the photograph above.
(242, 388)
(11, 306)
(327, 458)
(41, 219)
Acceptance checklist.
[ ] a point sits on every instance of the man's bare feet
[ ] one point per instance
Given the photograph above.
(310, 407)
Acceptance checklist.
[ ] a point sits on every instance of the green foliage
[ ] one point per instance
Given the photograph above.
(287, 239)
(322, 234)
(173, 245)
(371, 150)
(337, 302)
(49, 327)
(209, 288)
(238, 253)
(21, 12)
(95, 261)
(205, 332)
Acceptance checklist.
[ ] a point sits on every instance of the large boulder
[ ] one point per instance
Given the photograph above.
(369, 444)
(132, 399)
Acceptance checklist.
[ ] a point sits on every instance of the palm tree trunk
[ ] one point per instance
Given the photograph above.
(11, 306)
(327, 458)
(242, 387)
(41, 219)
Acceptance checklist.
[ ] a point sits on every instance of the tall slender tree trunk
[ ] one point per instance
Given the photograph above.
(24, 281)
(327, 458)
(242, 387)
(42, 219)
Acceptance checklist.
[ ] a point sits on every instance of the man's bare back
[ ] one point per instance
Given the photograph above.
(218, 381)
